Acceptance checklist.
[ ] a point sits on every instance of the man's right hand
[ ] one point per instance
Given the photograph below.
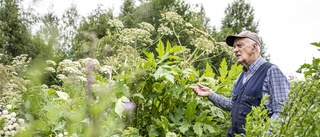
(201, 90)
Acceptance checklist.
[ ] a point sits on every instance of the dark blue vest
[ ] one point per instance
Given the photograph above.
(245, 95)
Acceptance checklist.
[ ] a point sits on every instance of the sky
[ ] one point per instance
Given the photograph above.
(287, 27)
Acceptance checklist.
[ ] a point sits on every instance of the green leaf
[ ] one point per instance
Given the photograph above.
(176, 49)
(168, 48)
(164, 123)
(234, 71)
(223, 70)
(184, 127)
(50, 91)
(208, 127)
(161, 72)
(202, 116)
(163, 58)
(138, 95)
(197, 128)
(208, 72)
(153, 131)
(151, 61)
(63, 95)
(169, 77)
(177, 115)
(158, 86)
(191, 110)
(120, 105)
(160, 49)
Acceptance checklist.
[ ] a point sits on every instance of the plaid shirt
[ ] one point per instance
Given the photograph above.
(275, 84)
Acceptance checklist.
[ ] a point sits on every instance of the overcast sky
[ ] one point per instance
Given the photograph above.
(286, 26)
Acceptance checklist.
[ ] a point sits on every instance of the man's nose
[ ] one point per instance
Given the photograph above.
(235, 49)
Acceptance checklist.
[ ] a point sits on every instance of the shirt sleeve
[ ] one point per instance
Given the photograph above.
(279, 87)
(220, 101)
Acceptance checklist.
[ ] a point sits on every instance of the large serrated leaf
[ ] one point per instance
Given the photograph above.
(198, 128)
(208, 71)
(184, 127)
(208, 127)
(223, 70)
(191, 110)
(160, 49)
(151, 61)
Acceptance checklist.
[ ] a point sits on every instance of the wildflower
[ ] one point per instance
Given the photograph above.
(50, 69)
(146, 26)
(129, 106)
(164, 30)
(115, 23)
(172, 17)
(50, 62)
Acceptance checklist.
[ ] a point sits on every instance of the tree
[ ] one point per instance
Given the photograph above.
(15, 35)
(239, 16)
(91, 29)
(126, 14)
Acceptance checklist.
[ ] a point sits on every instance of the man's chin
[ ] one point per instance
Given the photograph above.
(240, 61)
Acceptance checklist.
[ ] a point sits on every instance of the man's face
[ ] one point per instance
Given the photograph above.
(243, 50)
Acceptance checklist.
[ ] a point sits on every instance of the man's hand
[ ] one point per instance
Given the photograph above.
(201, 90)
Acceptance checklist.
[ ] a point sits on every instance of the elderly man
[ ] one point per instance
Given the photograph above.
(258, 78)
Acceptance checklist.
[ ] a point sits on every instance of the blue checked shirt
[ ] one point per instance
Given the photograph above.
(275, 84)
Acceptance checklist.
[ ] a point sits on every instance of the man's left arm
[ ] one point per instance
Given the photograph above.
(279, 87)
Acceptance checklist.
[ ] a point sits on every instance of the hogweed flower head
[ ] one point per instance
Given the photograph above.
(116, 23)
(133, 35)
(172, 18)
(146, 26)
(164, 30)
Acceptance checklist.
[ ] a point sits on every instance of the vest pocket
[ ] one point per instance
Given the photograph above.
(246, 105)
(243, 111)
(251, 100)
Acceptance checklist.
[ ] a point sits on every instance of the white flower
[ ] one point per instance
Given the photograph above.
(60, 135)
(13, 119)
(7, 133)
(50, 69)
(13, 114)
(61, 77)
(15, 125)
(146, 26)
(5, 112)
(172, 17)
(10, 127)
(115, 23)
(50, 62)
(189, 25)
(21, 121)
(9, 106)
(164, 30)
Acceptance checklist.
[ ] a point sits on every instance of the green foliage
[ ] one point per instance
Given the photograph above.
(239, 16)
(258, 122)
(311, 70)
(16, 38)
(88, 34)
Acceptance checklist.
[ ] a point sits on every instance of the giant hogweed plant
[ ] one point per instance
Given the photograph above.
(12, 86)
(164, 104)
(85, 102)
(82, 104)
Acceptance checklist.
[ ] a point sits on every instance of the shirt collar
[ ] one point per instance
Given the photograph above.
(255, 65)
